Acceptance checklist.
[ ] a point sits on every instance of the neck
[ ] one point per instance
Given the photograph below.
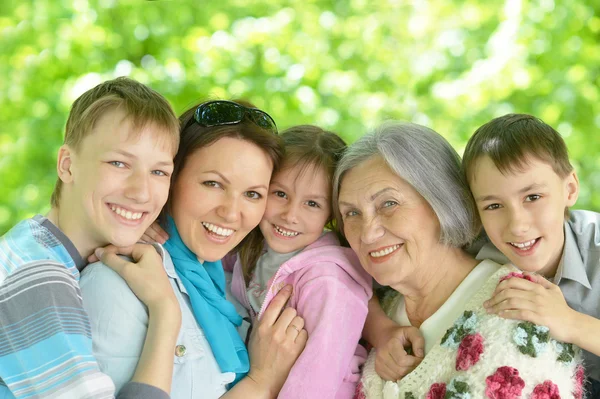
(432, 287)
(72, 231)
(550, 270)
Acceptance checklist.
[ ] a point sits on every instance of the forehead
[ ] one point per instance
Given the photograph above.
(115, 129)
(369, 178)
(303, 177)
(235, 158)
(486, 176)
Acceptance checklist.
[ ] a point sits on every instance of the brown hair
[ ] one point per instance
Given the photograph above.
(510, 139)
(194, 137)
(141, 104)
(307, 147)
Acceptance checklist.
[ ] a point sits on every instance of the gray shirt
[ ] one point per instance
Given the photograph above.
(578, 274)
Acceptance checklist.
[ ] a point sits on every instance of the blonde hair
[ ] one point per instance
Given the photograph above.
(141, 104)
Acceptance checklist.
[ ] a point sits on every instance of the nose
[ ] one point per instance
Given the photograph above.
(229, 209)
(138, 187)
(519, 222)
(371, 230)
(290, 213)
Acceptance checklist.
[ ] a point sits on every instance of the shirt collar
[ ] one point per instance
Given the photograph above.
(80, 263)
(575, 269)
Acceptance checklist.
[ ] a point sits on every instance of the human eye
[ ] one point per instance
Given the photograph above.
(389, 204)
(118, 164)
(350, 213)
(280, 194)
(211, 183)
(313, 204)
(532, 197)
(491, 207)
(253, 195)
(159, 173)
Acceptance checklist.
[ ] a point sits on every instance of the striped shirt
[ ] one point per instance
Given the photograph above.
(45, 334)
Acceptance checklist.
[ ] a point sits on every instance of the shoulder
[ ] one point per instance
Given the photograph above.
(585, 225)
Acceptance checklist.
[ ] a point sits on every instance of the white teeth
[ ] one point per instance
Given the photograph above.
(523, 245)
(220, 231)
(286, 233)
(126, 214)
(383, 252)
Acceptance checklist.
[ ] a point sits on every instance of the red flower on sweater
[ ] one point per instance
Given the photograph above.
(469, 351)
(359, 392)
(579, 378)
(545, 390)
(505, 383)
(518, 275)
(437, 391)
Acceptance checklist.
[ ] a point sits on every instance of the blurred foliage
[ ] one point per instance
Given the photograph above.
(345, 65)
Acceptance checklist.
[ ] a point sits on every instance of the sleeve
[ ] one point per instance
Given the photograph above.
(334, 317)
(45, 341)
(119, 322)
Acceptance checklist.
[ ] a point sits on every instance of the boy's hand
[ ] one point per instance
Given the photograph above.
(392, 362)
(539, 302)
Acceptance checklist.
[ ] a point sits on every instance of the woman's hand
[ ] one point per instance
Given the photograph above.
(275, 344)
(392, 362)
(155, 233)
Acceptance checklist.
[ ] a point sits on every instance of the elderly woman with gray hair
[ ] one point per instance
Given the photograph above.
(406, 210)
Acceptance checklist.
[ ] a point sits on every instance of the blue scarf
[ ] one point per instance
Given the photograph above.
(205, 284)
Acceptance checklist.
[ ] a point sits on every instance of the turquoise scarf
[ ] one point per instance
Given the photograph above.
(205, 284)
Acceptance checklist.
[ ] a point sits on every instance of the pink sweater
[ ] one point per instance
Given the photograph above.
(331, 292)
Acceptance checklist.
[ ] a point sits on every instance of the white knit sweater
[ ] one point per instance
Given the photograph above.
(483, 356)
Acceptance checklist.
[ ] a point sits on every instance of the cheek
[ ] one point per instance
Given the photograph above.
(255, 213)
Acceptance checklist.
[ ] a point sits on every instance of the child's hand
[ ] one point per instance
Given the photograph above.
(392, 362)
(539, 302)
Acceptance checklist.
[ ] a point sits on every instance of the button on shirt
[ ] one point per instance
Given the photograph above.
(578, 273)
(119, 324)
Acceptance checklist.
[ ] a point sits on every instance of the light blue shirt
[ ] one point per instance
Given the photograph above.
(119, 324)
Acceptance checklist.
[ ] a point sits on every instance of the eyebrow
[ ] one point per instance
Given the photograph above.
(373, 197)
(313, 196)
(132, 156)
(226, 180)
(534, 186)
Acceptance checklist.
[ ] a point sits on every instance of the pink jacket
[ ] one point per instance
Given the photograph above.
(331, 292)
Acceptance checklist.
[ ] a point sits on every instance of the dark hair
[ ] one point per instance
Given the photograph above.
(194, 137)
(142, 104)
(307, 147)
(510, 139)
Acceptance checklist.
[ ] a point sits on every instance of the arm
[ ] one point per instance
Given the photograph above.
(541, 302)
(44, 332)
(275, 344)
(392, 362)
(147, 278)
(334, 314)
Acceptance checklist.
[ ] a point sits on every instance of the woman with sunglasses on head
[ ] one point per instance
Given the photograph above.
(221, 175)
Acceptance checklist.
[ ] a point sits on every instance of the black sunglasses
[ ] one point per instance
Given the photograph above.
(222, 112)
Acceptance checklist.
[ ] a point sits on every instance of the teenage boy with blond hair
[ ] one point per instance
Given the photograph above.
(113, 180)
(523, 183)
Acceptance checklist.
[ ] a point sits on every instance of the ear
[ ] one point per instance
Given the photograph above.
(64, 164)
(572, 186)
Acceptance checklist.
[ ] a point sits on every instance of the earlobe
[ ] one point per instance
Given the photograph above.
(64, 164)
(572, 186)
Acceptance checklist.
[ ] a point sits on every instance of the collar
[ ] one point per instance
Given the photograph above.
(169, 266)
(571, 264)
(80, 263)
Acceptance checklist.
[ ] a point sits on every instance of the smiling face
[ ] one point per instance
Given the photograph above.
(523, 212)
(220, 196)
(389, 225)
(298, 208)
(115, 184)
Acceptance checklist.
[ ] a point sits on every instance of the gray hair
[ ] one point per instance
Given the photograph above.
(425, 160)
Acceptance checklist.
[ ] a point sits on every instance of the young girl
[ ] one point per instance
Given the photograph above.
(290, 246)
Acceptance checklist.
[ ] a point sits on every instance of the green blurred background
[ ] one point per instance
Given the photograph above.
(345, 65)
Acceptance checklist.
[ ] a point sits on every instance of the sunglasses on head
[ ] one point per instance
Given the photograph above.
(222, 112)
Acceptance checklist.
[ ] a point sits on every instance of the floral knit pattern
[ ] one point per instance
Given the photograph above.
(546, 390)
(505, 383)
(484, 356)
